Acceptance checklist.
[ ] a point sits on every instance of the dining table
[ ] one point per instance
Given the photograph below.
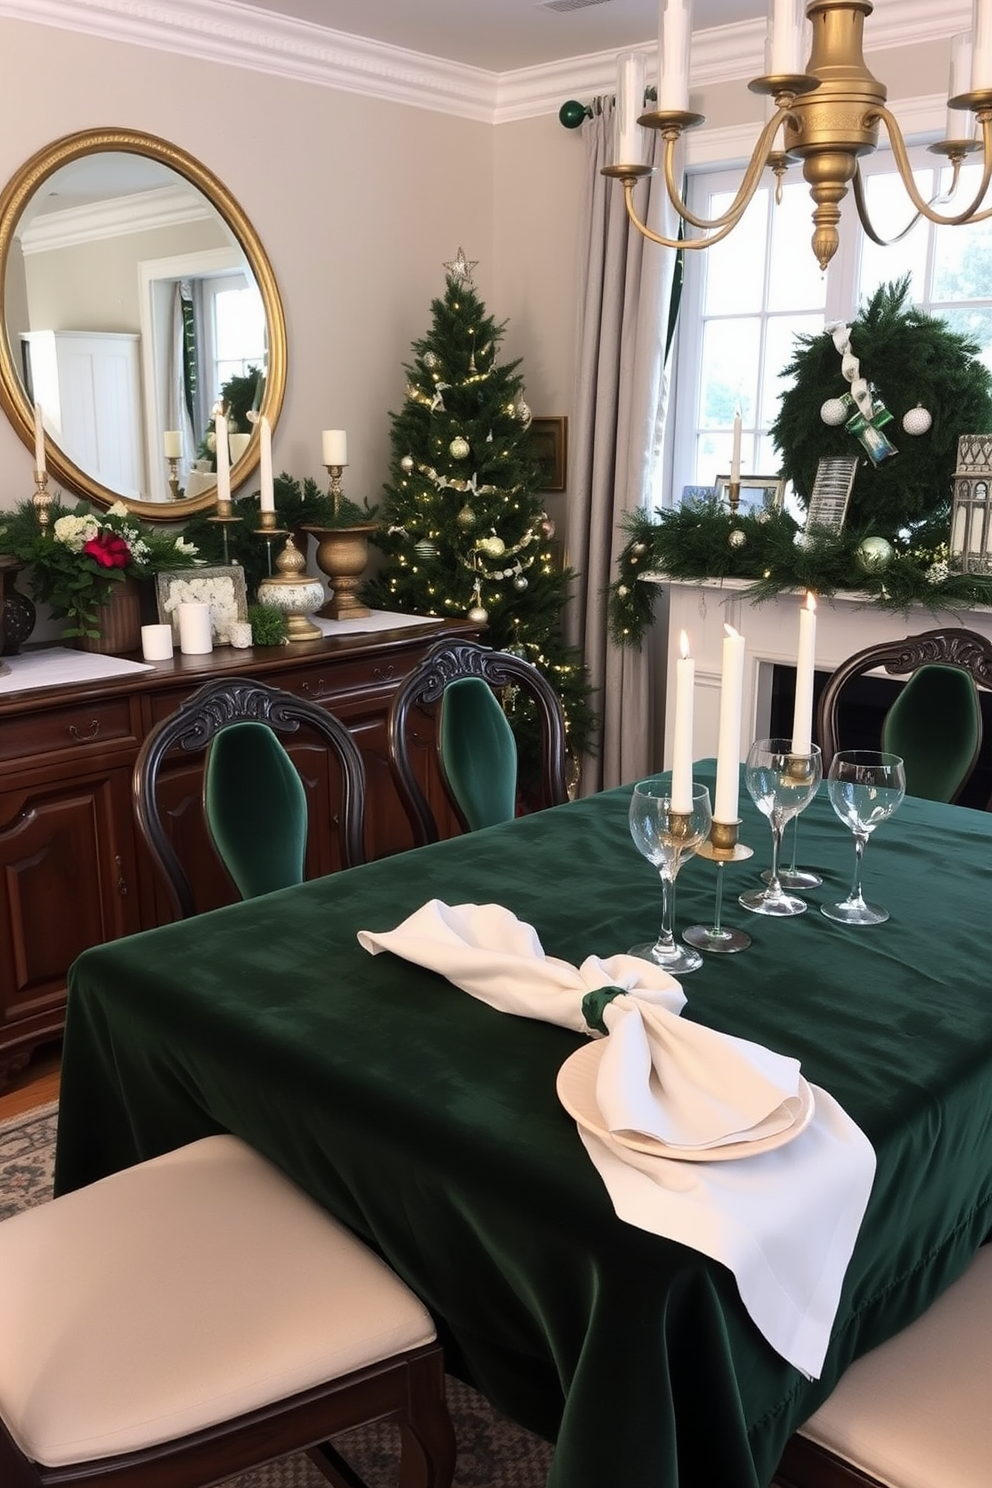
(428, 1121)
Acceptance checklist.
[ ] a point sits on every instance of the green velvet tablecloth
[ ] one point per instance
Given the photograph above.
(429, 1122)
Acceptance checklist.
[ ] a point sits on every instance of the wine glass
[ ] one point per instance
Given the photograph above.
(865, 786)
(781, 782)
(666, 837)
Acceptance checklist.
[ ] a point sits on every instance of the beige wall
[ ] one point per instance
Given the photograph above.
(358, 204)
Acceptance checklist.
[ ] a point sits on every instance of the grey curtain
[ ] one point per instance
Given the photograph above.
(618, 420)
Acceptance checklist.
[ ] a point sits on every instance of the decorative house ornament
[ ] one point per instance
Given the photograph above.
(831, 493)
(971, 510)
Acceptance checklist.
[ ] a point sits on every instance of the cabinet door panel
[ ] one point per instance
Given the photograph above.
(67, 868)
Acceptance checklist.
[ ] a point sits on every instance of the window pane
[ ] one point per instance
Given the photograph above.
(730, 371)
(976, 324)
(240, 325)
(796, 281)
(962, 260)
(889, 210)
(780, 344)
(735, 268)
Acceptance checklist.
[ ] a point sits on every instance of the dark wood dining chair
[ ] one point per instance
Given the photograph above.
(936, 722)
(913, 1413)
(254, 804)
(476, 752)
(198, 1315)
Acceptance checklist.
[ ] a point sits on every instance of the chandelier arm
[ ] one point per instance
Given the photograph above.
(676, 243)
(923, 208)
(747, 188)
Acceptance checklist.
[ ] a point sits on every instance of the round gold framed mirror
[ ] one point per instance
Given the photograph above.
(134, 290)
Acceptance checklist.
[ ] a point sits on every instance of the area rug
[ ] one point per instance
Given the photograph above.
(492, 1452)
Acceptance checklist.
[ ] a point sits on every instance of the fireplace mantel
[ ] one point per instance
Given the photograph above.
(845, 623)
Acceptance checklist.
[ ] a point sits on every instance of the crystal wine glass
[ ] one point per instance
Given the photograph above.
(781, 782)
(865, 787)
(666, 837)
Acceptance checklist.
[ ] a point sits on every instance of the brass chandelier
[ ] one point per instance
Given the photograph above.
(829, 115)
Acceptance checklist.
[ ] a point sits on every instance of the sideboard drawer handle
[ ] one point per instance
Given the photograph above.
(318, 691)
(383, 674)
(121, 880)
(79, 738)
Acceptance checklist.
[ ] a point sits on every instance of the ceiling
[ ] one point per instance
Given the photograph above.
(503, 35)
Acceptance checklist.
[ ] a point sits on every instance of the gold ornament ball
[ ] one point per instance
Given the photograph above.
(407, 463)
(430, 359)
(639, 549)
(493, 547)
(478, 615)
(466, 518)
(547, 527)
(873, 555)
(737, 538)
(458, 449)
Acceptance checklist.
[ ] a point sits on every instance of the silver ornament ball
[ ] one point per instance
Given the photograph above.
(917, 420)
(478, 615)
(407, 463)
(833, 411)
(425, 549)
(430, 359)
(873, 555)
(737, 538)
(520, 583)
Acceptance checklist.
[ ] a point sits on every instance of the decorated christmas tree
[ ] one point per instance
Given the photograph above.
(462, 524)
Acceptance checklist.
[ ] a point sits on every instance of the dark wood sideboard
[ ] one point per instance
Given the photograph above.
(75, 872)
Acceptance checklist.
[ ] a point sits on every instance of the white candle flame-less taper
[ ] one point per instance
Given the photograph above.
(39, 440)
(267, 498)
(802, 717)
(674, 37)
(223, 457)
(728, 750)
(685, 681)
(630, 106)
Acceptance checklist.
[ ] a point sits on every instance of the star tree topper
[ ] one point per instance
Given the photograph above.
(461, 267)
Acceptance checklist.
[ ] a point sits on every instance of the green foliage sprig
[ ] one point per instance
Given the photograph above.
(694, 542)
(76, 562)
(268, 625)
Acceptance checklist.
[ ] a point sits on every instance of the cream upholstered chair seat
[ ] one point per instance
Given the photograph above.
(179, 1294)
(915, 1412)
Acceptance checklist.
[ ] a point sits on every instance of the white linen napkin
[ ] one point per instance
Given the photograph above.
(783, 1221)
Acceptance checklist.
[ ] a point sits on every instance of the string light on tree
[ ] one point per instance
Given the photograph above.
(462, 525)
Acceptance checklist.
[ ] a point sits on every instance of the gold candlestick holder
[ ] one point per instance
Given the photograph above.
(734, 496)
(294, 592)
(42, 498)
(225, 514)
(343, 555)
(173, 477)
(269, 528)
(334, 473)
(721, 847)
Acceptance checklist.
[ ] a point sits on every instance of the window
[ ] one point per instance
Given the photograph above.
(747, 298)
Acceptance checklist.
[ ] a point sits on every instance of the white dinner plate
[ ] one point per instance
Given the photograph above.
(576, 1086)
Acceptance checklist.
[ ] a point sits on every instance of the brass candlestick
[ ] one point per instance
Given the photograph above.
(334, 486)
(42, 498)
(721, 847)
(173, 477)
(734, 496)
(269, 529)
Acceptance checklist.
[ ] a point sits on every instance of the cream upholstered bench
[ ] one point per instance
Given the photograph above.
(915, 1412)
(196, 1315)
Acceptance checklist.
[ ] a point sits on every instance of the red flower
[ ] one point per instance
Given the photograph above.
(109, 550)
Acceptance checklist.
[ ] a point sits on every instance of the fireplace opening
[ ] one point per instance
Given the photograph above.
(865, 702)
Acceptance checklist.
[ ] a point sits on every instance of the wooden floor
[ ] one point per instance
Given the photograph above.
(34, 1086)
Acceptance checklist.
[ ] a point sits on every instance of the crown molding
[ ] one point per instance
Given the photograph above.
(226, 31)
(142, 211)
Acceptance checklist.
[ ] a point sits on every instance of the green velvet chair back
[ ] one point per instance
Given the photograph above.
(478, 753)
(256, 809)
(935, 724)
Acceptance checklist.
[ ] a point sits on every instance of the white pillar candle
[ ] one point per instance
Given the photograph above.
(156, 642)
(675, 34)
(735, 457)
(960, 123)
(630, 106)
(981, 39)
(786, 26)
(728, 749)
(172, 443)
(685, 681)
(335, 443)
(39, 440)
(267, 496)
(194, 629)
(802, 717)
(223, 457)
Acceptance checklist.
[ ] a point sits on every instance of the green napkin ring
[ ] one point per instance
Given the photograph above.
(594, 1003)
